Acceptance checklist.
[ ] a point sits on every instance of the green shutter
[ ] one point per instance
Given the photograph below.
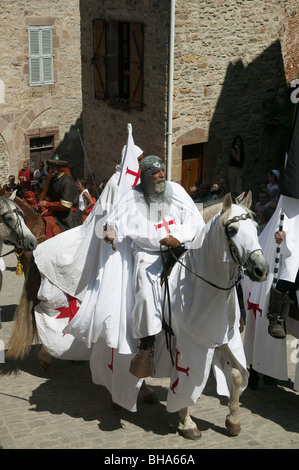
(40, 55)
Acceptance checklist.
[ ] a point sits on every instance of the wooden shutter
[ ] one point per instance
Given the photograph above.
(40, 56)
(99, 59)
(136, 65)
(34, 59)
(47, 56)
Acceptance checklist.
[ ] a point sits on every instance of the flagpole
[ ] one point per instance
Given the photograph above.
(277, 255)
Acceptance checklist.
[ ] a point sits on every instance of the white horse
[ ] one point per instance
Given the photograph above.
(204, 312)
(13, 229)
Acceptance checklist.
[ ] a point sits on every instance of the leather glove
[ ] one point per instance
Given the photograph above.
(169, 241)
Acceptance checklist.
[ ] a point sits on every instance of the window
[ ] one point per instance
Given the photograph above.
(40, 55)
(118, 63)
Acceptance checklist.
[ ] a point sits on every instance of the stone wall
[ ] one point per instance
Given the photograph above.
(23, 107)
(105, 127)
(230, 78)
(233, 62)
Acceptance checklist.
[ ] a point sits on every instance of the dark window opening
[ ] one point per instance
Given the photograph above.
(118, 63)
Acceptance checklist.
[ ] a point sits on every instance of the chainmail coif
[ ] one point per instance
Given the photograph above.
(155, 203)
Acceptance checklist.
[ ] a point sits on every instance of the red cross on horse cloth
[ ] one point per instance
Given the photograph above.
(69, 311)
(164, 224)
(134, 173)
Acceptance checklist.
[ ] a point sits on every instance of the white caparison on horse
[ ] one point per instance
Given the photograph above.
(203, 316)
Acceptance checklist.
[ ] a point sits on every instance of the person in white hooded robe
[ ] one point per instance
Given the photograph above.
(157, 213)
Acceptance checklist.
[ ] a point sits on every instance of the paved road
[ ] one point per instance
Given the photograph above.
(63, 409)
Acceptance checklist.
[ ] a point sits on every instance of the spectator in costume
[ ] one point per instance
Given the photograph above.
(25, 176)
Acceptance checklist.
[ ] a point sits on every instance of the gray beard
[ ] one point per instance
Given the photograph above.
(156, 205)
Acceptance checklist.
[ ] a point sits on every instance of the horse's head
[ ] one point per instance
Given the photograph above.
(240, 229)
(12, 226)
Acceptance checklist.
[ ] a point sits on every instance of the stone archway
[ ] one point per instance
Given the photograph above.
(13, 130)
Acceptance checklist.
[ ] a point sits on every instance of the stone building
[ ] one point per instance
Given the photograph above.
(188, 75)
(40, 84)
(227, 71)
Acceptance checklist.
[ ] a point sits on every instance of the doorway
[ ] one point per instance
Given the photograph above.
(192, 165)
(41, 148)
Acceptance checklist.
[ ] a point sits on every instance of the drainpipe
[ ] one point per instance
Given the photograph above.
(170, 91)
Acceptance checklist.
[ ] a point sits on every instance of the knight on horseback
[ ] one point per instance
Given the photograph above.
(60, 198)
(155, 214)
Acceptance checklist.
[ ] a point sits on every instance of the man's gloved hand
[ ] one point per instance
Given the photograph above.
(169, 241)
(110, 233)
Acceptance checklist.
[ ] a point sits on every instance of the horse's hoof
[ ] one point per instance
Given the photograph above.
(233, 429)
(192, 433)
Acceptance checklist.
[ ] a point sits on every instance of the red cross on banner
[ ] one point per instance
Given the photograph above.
(69, 311)
(164, 224)
(137, 175)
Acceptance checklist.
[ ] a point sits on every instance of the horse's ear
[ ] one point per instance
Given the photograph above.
(13, 195)
(240, 198)
(248, 200)
(227, 202)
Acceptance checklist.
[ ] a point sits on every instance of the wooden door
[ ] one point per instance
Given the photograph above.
(192, 165)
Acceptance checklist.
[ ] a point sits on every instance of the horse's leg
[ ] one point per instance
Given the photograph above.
(189, 430)
(232, 421)
(148, 394)
(44, 358)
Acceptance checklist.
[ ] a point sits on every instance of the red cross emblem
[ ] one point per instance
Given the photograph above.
(254, 307)
(180, 369)
(137, 175)
(164, 224)
(69, 311)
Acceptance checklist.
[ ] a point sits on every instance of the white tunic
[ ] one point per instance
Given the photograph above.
(182, 220)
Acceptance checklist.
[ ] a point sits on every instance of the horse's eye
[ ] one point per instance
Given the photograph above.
(232, 230)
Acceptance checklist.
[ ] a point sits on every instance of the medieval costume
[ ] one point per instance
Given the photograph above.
(272, 307)
(61, 200)
(140, 220)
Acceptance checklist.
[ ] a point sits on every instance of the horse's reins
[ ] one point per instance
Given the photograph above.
(235, 255)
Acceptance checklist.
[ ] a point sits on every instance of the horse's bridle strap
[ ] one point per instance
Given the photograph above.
(237, 218)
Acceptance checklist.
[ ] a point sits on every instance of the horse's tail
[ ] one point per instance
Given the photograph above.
(24, 329)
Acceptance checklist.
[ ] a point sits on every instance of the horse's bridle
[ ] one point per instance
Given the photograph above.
(6, 221)
(231, 244)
